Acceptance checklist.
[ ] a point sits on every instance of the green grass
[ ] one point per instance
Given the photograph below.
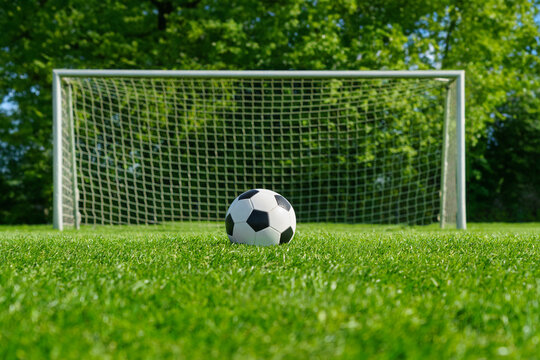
(336, 291)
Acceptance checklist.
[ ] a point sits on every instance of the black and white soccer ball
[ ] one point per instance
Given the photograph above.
(260, 217)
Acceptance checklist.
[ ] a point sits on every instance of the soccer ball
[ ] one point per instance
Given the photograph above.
(260, 217)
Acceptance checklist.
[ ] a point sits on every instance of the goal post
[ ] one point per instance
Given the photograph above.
(153, 146)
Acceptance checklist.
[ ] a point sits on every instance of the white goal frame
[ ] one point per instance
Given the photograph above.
(457, 76)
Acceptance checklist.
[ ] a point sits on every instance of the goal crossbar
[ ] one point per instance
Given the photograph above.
(365, 74)
(457, 77)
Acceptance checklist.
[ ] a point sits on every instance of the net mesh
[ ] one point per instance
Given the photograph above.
(152, 150)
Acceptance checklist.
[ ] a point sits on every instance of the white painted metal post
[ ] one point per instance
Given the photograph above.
(57, 153)
(320, 74)
(444, 165)
(74, 186)
(460, 174)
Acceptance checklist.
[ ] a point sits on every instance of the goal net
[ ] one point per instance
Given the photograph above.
(153, 147)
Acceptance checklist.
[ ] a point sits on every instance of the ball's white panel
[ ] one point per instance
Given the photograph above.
(269, 191)
(292, 216)
(244, 234)
(280, 219)
(231, 238)
(241, 210)
(264, 200)
(233, 204)
(267, 237)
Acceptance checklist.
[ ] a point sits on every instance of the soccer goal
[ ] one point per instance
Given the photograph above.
(147, 147)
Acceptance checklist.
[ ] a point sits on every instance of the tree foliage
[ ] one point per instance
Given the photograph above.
(505, 183)
(495, 41)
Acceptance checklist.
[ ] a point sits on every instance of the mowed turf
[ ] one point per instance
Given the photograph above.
(335, 291)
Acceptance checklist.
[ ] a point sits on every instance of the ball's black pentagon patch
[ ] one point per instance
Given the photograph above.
(281, 201)
(258, 220)
(286, 236)
(248, 194)
(229, 224)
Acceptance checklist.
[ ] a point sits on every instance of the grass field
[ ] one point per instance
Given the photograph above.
(335, 291)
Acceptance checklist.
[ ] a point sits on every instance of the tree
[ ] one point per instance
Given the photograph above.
(495, 41)
(507, 185)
